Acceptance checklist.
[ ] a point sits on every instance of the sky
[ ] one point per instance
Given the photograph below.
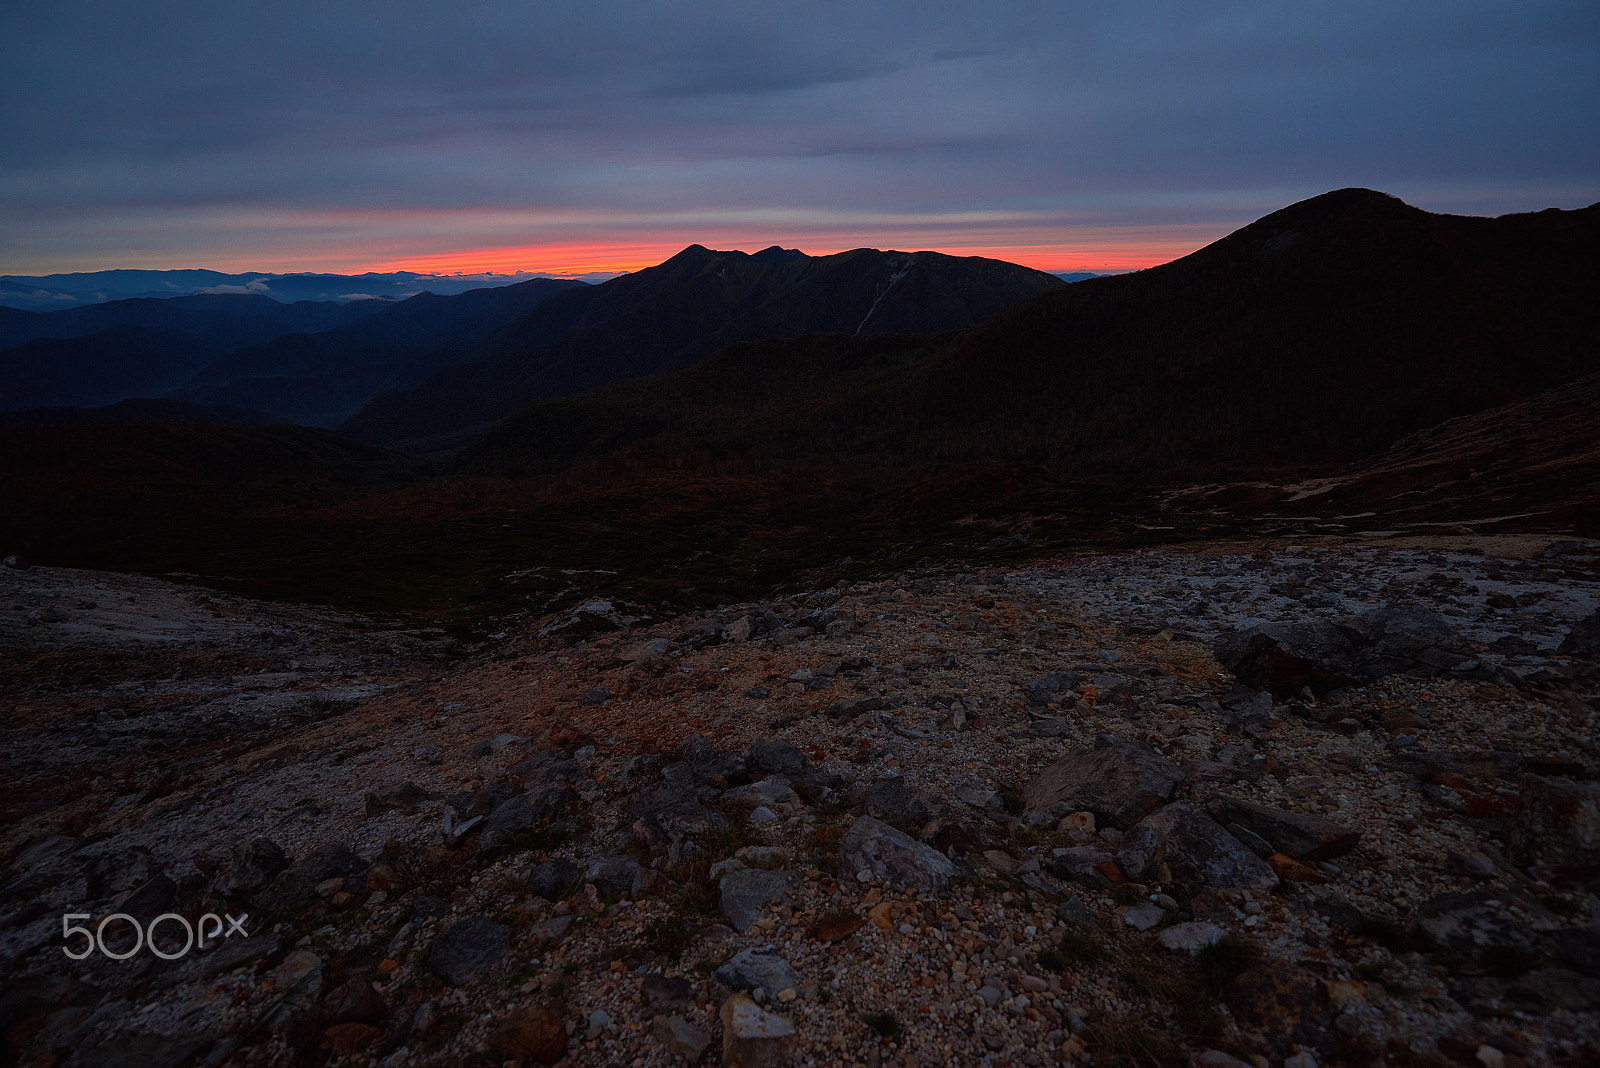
(603, 135)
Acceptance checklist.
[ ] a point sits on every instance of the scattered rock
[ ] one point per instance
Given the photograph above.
(466, 948)
(1201, 854)
(875, 850)
(1300, 835)
(537, 1033)
(1118, 781)
(1192, 937)
(753, 1037)
(660, 993)
(745, 894)
(759, 967)
(1556, 828)
(681, 1038)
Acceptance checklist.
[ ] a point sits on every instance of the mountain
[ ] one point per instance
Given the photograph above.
(136, 410)
(140, 347)
(1534, 462)
(103, 368)
(54, 291)
(224, 320)
(320, 379)
(1317, 335)
(683, 310)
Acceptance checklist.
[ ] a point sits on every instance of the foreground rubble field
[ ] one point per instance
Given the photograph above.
(1271, 805)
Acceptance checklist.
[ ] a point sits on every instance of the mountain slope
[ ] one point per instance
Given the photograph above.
(224, 320)
(1318, 335)
(322, 378)
(112, 365)
(681, 311)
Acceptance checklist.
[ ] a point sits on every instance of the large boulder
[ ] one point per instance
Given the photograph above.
(758, 967)
(465, 949)
(1481, 924)
(1200, 853)
(1294, 834)
(1556, 828)
(1583, 640)
(875, 850)
(1119, 781)
(1286, 658)
(1405, 639)
(1280, 1005)
(746, 893)
(753, 1037)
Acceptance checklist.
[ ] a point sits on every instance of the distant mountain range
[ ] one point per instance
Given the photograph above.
(681, 311)
(727, 421)
(311, 362)
(1320, 334)
(52, 292)
(443, 368)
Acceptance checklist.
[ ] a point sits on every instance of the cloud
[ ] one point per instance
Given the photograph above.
(187, 129)
(256, 286)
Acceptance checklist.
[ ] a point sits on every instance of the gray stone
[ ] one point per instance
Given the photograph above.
(746, 894)
(1300, 835)
(882, 852)
(753, 1037)
(1080, 864)
(990, 995)
(613, 874)
(553, 930)
(663, 994)
(1141, 853)
(774, 756)
(1471, 924)
(1143, 917)
(772, 792)
(890, 800)
(1200, 853)
(759, 967)
(681, 1038)
(232, 953)
(466, 948)
(1192, 937)
(1118, 781)
(553, 878)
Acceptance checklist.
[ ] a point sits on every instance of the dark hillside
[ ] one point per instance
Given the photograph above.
(1319, 335)
(681, 311)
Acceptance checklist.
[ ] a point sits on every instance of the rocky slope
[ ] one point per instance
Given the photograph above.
(1019, 816)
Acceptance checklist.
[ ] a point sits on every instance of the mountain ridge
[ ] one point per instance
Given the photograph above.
(686, 308)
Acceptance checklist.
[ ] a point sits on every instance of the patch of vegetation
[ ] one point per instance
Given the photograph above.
(1505, 961)
(883, 1023)
(1127, 894)
(1011, 798)
(1223, 961)
(1080, 948)
(668, 937)
(1133, 1040)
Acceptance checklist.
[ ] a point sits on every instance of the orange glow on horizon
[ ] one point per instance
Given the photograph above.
(616, 257)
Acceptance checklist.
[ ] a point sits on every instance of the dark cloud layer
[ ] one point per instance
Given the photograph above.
(190, 131)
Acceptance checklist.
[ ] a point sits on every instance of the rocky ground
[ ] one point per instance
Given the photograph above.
(1325, 803)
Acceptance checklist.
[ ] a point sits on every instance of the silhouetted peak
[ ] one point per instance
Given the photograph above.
(1340, 203)
(777, 254)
